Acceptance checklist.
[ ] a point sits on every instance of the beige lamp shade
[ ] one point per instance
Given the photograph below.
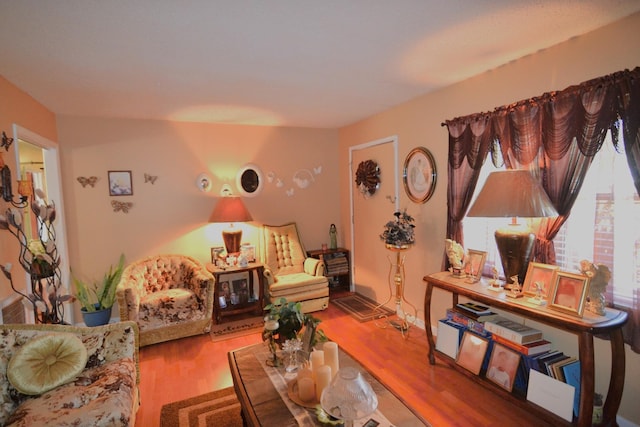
(231, 209)
(512, 194)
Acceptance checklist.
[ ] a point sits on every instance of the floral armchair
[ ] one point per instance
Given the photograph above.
(168, 296)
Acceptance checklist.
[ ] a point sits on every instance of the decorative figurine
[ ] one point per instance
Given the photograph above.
(515, 290)
(539, 298)
(494, 284)
(455, 253)
(333, 237)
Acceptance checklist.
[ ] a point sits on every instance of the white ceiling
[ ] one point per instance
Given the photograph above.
(323, 63)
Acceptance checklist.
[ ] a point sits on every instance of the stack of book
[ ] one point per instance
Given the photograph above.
(336, 264)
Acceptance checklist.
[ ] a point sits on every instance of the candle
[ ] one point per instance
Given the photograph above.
(270, 324)
(323, 378)
(305, 373)
(330, 349)
(306, 389)
(316, 359)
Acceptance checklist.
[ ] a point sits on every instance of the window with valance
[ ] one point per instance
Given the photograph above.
(556, 136)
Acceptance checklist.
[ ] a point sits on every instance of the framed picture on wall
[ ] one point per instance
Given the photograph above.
(419, 175)
(120, 183)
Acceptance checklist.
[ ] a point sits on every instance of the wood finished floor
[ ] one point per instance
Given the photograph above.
(192, 366)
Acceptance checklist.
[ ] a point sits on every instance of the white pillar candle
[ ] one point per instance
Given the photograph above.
(317, 360)
(330, 349)
(323, 378)
(306, 389)
(305, 373)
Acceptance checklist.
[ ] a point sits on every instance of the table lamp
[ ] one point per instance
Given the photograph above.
(230, 209)
(515, 194)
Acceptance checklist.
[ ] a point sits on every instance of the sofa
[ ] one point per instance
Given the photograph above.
(168, 296)
(59, 375)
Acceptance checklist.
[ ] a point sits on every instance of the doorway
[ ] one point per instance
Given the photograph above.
(369, 213)
(38, 158)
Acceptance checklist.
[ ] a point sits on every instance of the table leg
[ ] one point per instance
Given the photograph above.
(427, 322)
(616, 382)
(587, 382)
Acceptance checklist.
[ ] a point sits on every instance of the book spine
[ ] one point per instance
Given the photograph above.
(467, 322)
(511, 344)
(511, 335)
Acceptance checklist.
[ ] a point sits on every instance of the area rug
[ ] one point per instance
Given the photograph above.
(236, 328)
(361, 308)
(219, 408)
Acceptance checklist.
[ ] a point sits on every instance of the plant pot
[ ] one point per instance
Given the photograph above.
(96, 318)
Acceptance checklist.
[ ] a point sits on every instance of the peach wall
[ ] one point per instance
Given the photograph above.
(17, 107)
(418, 123)
(171, 215)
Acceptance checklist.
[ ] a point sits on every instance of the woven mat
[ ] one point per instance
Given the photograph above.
(236, 328)
(219, 408)
(361, 308)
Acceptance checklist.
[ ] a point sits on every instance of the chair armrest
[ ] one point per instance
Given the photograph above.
(128, 299)
(271, 278)
(314, 266)
(202, 284)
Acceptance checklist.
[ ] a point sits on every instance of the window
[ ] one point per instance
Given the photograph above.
(607, 204)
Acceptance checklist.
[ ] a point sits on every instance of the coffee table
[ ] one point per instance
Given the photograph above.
(262, 392)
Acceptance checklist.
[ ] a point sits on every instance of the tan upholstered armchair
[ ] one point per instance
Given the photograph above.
(168, 296)
(289, 273)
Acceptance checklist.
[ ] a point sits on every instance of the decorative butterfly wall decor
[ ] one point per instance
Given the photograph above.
(87, 181)
(121, 206)
(150, 178)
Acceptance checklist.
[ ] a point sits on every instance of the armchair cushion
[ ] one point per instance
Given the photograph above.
(46, 362)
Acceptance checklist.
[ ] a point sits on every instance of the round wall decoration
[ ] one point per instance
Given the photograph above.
(420, 175)
(368, 177)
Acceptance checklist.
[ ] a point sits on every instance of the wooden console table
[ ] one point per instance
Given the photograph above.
(585, 328)
(252, 304)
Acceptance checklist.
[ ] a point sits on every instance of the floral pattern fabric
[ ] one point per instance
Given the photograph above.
(104, 394)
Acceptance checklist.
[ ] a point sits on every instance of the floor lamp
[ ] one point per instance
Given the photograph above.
(513, 194)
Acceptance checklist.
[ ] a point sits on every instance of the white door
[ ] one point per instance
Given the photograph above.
(369, 214)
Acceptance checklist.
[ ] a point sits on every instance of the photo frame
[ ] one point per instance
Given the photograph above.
(472, 351)
(474, 264)
(240, 287)
(419, 175)
(503, 366)
(536, 273)
(569, 292)
(249, 251)
(120, 183)
(216, 253)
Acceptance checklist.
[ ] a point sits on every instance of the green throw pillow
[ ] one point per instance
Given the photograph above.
(46, 362)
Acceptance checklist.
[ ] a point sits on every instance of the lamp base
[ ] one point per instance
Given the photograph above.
(232, 238)
(515, 244)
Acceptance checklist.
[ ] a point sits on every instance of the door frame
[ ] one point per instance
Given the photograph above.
(53, 178)
(393, 139)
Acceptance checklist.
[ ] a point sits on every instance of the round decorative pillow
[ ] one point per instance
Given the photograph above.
(46, 362)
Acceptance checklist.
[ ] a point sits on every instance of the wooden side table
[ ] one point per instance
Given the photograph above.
(234, 291)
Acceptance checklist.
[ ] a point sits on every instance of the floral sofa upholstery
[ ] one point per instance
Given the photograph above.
(104, 393)
(168, 296)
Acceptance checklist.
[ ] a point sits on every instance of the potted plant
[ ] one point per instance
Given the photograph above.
(97, 298)
(399, 233)
(286, 321)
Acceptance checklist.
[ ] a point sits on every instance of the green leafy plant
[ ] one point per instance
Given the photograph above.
(291, 321)
(99, 295)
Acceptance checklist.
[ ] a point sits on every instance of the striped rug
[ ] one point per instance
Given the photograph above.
(219, 408)
(361, 308)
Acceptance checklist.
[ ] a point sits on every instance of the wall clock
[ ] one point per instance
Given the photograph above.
(368, 177)
(420, 175)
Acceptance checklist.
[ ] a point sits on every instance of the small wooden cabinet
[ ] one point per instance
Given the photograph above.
(237, 291)
(585, 328)
(337, 267)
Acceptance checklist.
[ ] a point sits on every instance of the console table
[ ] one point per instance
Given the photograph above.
(585, 328)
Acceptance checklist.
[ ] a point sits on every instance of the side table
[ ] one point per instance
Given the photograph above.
(234, 290)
